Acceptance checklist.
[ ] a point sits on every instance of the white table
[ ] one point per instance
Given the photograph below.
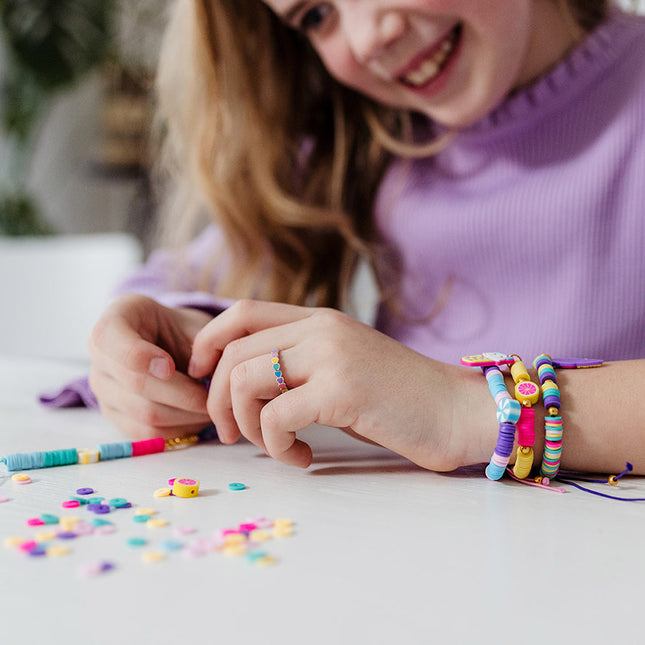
(383, 552)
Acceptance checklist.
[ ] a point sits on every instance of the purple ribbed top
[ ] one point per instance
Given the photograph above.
(530, 226)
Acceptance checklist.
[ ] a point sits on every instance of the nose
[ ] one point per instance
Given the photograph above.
(370, 30)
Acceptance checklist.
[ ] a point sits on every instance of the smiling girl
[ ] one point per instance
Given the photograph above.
(485, 158)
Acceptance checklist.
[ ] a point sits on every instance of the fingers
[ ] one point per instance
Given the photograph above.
(252, 384)
(110, 379)
(117, 334)
(242, 319)
(246, 363)
(282, 418)
(270, 419)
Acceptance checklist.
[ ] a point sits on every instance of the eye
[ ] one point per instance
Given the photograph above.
(314, 18)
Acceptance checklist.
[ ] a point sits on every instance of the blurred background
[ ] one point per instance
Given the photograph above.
(75, 110)
(76, 210)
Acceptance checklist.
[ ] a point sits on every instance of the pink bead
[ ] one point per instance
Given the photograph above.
(71, 503)
(28, 546)
(35, 521)
(247, 527)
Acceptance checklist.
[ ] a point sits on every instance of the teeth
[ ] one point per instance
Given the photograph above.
(430, 67)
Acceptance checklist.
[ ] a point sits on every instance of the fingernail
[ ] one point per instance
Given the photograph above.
(192, 368)
(159, 368)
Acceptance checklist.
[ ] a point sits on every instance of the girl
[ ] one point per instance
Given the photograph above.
(487, 159)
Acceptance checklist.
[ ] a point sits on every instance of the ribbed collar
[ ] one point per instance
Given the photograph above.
(583, 65)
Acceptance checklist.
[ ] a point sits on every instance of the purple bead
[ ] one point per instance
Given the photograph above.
(38, 551)
(505, 439)
(84, 491)
(102, 509)
(66, 535)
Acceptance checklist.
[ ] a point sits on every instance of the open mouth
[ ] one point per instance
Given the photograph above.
(428, 68)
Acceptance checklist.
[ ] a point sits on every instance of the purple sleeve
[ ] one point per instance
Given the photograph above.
(171, 282)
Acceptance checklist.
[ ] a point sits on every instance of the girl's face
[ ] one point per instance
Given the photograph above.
(453, 60)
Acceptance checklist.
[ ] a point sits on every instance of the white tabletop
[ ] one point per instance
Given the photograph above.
(382, 551)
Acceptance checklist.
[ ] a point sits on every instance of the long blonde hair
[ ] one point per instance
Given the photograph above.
(257, 136)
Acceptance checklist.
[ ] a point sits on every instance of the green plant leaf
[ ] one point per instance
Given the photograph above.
(57, 40)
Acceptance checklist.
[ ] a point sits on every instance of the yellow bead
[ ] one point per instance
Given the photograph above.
(612, 481)
(145, 511)
(88, 456)
(185, 488)
(259, 535)
(265, 561)
(234, 550)
(162, 492)
(519, 371)
(156, 523)
(234, 539)
(523, 462)
(57, 550)
(153, 556)
(282, 531)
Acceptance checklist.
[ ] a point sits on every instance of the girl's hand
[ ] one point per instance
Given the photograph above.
(339, 372)
(139, 351)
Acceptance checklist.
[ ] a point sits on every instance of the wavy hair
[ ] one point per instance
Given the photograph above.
(256, 135)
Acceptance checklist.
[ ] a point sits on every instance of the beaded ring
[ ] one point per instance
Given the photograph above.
(527, 393)
(279, 378)
(552, 420)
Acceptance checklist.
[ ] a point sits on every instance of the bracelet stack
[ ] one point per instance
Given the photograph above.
(518, 414)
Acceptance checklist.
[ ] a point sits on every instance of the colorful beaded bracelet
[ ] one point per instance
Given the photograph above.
(508, 409)
(552, 421)
(527, 393)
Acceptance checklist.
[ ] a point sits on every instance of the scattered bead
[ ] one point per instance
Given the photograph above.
(49, 519)
(20, 477)
(105, 529)
(185, 487)
(94, 569)
(67, 535)
(71, 503)
(184, 530)
(34, 521)
(145, 511)
(259, 535)
(153, 556)
(236, 486)
(172, 545)
(84, 491)
(140, 518)
(3, 499)
(38, 551)
(57, 550)
(27, 545)
(156, 523)
(45, 536)
(119, 502)
(83, 528)
(234, 550)
(162, 492)
(136, 542)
